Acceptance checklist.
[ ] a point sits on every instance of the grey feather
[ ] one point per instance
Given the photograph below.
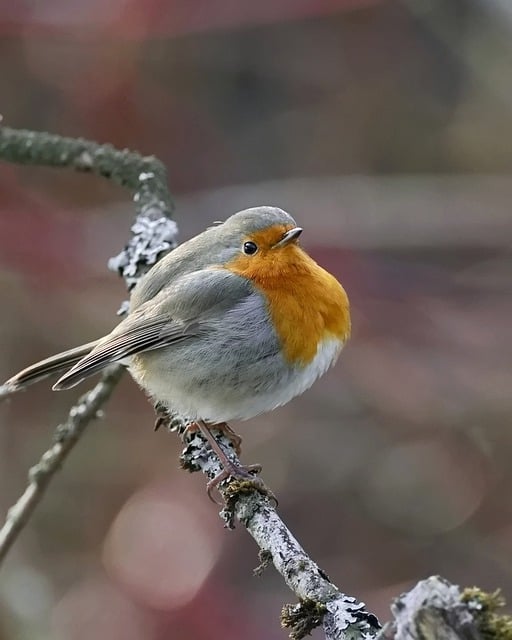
(49, 366)
(151, 333)
(179, 312)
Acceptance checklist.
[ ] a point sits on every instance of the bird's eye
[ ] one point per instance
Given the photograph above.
(250, 248)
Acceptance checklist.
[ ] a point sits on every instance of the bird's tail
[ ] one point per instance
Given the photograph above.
(52, 365)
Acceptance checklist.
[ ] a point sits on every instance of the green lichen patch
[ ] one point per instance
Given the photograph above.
(302, 618)
(485, 607)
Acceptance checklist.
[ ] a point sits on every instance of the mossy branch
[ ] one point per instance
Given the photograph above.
(154, 232)
(153, 235)
(434, 609)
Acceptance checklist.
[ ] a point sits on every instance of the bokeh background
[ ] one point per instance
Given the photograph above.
(384, 128)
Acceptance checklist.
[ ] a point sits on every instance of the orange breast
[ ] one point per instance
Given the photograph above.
(306, 303)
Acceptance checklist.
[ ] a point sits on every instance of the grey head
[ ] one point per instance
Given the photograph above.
(217, 245)
(225, 241)
(256, 219)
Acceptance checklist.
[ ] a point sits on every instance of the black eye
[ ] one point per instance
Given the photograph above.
(250, 248)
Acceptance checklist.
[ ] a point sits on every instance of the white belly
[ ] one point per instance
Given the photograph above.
(216, 404)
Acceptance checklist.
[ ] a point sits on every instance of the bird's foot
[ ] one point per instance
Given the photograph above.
(244, 476)
(242, 480)
(163, 417)
(221, 427)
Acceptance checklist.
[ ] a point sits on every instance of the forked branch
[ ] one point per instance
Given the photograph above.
(153, 235)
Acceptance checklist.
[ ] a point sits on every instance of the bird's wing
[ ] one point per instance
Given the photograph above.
(179, 312)
(142, 334)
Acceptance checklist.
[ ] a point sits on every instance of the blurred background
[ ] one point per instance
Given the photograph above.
(383, 127)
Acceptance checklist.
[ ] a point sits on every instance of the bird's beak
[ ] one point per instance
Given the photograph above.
(288, 237)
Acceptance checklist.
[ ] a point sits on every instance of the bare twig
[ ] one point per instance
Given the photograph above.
(153, 235)
(66, 436)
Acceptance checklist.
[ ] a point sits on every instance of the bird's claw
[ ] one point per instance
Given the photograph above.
(162, 416)
(221, 427)
(242, 479)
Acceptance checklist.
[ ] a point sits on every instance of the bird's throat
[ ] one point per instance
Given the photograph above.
(306, 303)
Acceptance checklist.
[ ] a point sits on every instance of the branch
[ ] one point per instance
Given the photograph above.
(320, 601)
(153, 235)
(435, 609)
(65, 437)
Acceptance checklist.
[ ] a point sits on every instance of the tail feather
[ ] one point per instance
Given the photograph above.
(52, 365)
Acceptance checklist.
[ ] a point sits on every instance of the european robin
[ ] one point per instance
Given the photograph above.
(235, 322)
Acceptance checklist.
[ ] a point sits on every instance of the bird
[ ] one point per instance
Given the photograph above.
(233, 323)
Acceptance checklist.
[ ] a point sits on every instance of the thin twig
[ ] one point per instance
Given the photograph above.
(153, 235)
(65, 438)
